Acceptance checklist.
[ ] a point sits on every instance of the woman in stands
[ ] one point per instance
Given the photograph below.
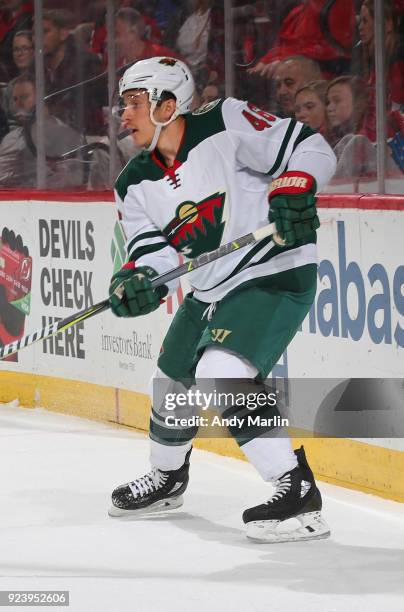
(364, 64)
(346, 107)
(394, 47)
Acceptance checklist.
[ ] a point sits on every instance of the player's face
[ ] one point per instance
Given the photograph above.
(23, 52)
(136, 117)
(365, 26)
(289, 77)
(309, 109)
(339, 104)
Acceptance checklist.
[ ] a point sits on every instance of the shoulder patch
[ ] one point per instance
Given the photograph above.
(206, 107)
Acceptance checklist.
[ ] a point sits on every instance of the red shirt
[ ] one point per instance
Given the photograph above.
(8, 21)
(302, 33)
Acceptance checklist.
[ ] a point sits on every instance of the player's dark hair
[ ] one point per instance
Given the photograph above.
(166, 95)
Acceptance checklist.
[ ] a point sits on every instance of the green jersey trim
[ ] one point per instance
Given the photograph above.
(137, 169)
(283, 147)
(197, 129)
(144, 236)
(146, 250)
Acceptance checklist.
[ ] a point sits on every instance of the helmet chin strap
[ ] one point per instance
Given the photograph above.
(159, 126)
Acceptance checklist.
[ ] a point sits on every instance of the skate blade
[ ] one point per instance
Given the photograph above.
(313, 527)
(158, 507)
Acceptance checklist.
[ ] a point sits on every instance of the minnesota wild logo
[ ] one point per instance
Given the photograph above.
(168, 61)
(197, 227)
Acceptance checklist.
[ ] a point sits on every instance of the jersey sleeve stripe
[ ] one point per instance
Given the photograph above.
(146, 250)
(144, 236)
(282, 150)
(288, 153)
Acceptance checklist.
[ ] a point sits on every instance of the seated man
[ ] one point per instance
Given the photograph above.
(18, 150)
(290, 75)
(131, 42)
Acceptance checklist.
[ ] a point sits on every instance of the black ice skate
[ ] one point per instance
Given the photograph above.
(156, 491)
(296, 496)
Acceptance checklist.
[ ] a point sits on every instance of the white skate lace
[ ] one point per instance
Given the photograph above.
(148, 483)
(282, 486)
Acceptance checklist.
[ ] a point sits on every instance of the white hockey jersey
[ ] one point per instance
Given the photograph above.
(216, 192)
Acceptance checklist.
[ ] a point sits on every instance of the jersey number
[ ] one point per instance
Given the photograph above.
(263, 121)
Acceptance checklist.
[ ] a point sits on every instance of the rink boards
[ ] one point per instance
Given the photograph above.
(101, 369)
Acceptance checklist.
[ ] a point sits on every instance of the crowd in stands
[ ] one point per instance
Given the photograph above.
(313, 60)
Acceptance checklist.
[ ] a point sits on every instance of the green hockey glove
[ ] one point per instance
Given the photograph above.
(293, 206)
(131, 293)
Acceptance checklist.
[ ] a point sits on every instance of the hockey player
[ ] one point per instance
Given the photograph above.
(202, 180)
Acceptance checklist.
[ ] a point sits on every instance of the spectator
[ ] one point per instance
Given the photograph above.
(83, 34)
(346, 104)
(322, 32)
(23, 50)
(130, 38)
(394, 47)
(15, 17)
(193, 36)
(146, 9)
(23, 57)
(151, 31)
(364, 63)
(18, 151)
(310, 105)
(68, 66)
(291, 75)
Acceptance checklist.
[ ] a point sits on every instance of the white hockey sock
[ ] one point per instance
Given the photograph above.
(271, 456)
(168, 457)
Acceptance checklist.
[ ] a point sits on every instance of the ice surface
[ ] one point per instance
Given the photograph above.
(56, 475)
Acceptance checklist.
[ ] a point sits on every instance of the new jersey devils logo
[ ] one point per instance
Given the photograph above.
(197, 227)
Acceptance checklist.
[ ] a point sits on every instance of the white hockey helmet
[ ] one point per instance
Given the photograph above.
(158, 74)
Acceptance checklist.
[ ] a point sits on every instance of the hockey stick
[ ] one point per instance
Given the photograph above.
(192, 264)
